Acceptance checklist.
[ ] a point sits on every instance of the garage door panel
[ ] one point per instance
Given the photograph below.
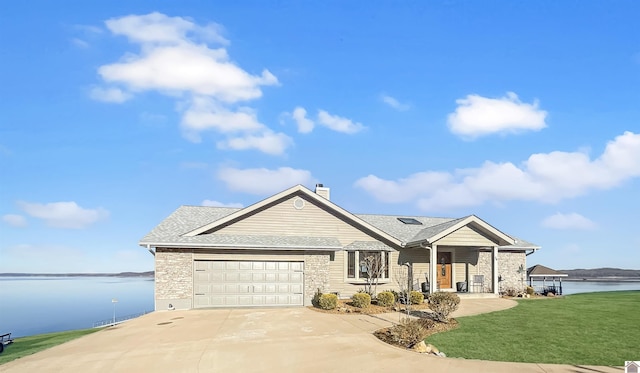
(247, 283)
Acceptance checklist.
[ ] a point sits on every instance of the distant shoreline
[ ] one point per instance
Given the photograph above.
(602, 279)
(121, 274)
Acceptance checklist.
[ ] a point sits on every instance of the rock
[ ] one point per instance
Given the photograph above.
(420, 347)
(551, 295)
(431, 349)
(441, 354)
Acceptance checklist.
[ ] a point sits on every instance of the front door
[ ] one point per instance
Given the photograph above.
(443, 268)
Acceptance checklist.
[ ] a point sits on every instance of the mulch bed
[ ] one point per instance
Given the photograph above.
(345, 306)
(431, 327)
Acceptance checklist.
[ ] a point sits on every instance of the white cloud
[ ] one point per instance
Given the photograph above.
(478, 116)
(14, 220)
(177, 60)
(394, 103)
(80, 43)
(338, 124)
(267, 142)
(263, 181)
(158, 28)
(211, 203)
(573, 221)
(205, 113)
(305, 125)
(64, 214)
(111, 94)
(544, 177)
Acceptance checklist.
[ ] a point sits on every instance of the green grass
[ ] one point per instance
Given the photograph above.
(30, 345)
(580, 329)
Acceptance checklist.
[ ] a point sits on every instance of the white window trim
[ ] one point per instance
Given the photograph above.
(361, 280)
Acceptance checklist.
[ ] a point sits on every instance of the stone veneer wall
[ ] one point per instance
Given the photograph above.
(174, 275)
(508, 265)
(316, 274)
(485, 267)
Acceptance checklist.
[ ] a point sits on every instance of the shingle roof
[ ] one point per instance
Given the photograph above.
(171, 231)
(540, 270)
(403, 232)
(183, 220)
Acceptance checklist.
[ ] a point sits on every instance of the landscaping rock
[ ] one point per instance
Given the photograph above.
(551, 294)
(431, 349)
(441, 354)
(420, 347)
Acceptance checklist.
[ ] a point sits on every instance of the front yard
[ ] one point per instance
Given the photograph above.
(580, 329)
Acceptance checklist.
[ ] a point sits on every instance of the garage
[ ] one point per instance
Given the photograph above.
(224, 283)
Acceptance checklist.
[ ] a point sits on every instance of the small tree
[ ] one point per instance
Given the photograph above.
(374, 268)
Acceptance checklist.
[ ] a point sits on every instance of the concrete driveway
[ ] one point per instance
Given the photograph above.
(256, 340)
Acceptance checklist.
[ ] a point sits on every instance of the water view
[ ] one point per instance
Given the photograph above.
(34, 305)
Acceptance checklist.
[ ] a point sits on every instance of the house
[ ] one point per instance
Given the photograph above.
(279, 251)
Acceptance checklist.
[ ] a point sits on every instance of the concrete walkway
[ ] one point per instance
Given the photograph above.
(258, 340)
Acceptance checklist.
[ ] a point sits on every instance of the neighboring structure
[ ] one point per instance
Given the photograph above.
(546, 279)
(280, 250)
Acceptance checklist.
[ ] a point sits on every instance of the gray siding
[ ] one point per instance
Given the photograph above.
(284, 219)
(465, 236)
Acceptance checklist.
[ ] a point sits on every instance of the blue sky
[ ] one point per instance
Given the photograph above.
(112, 115)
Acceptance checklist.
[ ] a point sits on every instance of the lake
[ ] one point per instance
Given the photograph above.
(35, 305)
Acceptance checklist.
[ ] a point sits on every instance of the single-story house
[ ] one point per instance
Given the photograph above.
(281, 250)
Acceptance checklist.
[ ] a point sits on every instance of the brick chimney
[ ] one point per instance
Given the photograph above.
(323, 191)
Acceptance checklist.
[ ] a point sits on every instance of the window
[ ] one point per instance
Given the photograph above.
(351, 264)
(356, 264)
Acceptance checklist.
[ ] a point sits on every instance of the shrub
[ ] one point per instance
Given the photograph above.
(408, 332)
(315, 301)
(530, 290)
(386, 298)
(361, 300)
(510, 292)
(396, 295)
(416, 297)
(442, 304)
(328, 301)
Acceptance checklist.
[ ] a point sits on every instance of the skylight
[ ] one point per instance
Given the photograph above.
(410, 221)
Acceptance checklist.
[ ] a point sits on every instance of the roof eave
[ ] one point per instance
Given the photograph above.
(233, 246)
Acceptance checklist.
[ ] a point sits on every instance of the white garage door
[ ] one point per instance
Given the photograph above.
(219, 283)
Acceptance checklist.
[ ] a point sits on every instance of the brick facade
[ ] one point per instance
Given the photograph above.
(509, 264)
(316, 274)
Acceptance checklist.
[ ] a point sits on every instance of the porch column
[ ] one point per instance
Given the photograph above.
(433, 278)
(496, 272)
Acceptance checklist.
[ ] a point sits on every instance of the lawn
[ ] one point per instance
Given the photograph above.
(30, 345)
(580, 329)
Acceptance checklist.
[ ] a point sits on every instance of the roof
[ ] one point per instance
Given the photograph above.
(195, 226)
(542, 271)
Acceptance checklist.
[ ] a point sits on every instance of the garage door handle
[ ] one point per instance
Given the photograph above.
(199, 293)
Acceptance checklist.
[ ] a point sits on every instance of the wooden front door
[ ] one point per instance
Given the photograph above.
(443, 268)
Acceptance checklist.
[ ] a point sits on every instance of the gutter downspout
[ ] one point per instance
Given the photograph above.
(151, 250)
(532, 251)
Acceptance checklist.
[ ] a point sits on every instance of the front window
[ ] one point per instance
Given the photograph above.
(367, 264)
